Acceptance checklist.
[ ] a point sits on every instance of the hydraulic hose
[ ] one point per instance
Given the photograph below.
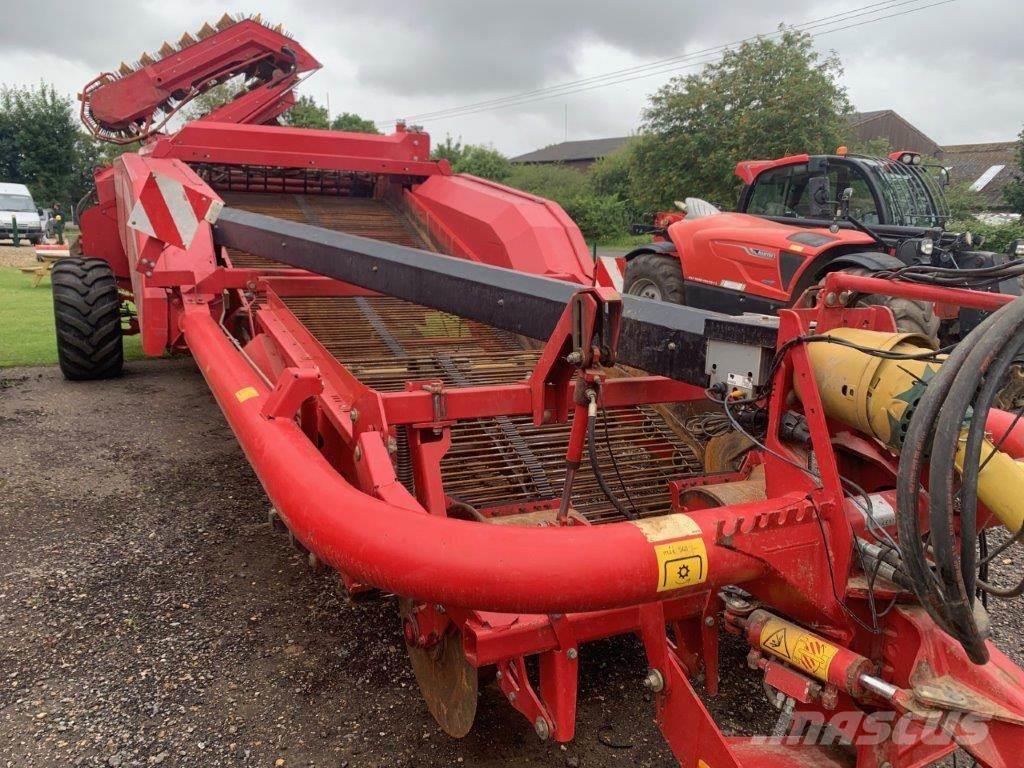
(934, 412)
(960, 392)
(595, 465)
(952, 563)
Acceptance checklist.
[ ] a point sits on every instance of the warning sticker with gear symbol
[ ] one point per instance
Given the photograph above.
(681, 564)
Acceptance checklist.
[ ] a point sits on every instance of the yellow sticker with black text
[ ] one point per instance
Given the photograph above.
(681, 563)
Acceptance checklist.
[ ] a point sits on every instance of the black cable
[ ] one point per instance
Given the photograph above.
(598, 475)
(971, 468)
(615, 463)
(913, 456)
(957, 566)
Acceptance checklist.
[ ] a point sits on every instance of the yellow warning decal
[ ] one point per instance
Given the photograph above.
(681, 563)
(702, 764)
(679, 548)
(806, 651)
(246, 393)
(668, 527)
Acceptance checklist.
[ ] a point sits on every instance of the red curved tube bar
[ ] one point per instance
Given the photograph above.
(436, 559)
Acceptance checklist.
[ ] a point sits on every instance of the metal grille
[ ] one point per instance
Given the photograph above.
(497, 462)
(362, 216)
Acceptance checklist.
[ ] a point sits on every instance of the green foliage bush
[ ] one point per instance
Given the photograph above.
(1014, 191)
(997, 236)
(599, 217)
(474, 159)
(600, 214)
(556, 182)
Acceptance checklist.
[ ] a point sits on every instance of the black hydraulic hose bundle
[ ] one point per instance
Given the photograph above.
(955, 277)
(958, 396)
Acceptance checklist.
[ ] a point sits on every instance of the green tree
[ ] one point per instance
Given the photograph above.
(877, 147)
(766, 98)
(474, 159)
(599, 213)
(610, 176)
(1013, 193)
(963, 202)
(550, 180)
(215, 97)
(42, 146)
(306, 113)
(350, 121)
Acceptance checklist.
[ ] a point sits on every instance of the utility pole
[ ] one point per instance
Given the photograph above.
(565, 136)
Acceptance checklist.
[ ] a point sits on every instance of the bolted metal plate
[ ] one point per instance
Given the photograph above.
(449, 683)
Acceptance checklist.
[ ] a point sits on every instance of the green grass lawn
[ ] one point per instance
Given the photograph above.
(26, 322)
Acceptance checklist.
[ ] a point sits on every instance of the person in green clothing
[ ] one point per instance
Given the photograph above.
(58, 223)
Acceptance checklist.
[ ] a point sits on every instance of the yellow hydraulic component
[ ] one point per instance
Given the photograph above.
(879, 396)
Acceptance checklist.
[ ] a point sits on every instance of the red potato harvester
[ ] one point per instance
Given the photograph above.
(444, 401)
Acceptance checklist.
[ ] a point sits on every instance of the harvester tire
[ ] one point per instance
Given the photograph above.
(911, 316)
(655, 276)
(87, 311)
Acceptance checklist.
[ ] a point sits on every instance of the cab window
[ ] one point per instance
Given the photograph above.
(772, 191)
(784, 192)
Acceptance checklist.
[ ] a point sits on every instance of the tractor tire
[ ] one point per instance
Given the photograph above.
(87, 311)
(916, 317)
(655, 276)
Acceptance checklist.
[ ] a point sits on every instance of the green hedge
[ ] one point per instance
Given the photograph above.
(997, 236)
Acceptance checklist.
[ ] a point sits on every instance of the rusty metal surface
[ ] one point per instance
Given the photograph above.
(493, 464)
(363, 216)
(448, 682)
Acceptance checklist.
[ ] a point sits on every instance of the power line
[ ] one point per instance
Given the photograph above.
(851, 13)
(673, 64)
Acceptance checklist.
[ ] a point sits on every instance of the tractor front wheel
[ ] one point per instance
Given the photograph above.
(654, 276)
(87, 310)
(916, 317)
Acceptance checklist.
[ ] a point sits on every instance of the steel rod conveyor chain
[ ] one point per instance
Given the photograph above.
(657, 337)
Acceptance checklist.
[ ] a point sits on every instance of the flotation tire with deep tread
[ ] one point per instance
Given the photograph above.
(911, 316)
(87, 312)
(655, 276)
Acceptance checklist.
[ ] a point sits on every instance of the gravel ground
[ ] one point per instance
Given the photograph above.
(22, 256)
(150, 616)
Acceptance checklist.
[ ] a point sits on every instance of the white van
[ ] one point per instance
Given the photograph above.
(16, 204)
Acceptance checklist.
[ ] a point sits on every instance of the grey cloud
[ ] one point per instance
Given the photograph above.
(954, 69)
(461, 46)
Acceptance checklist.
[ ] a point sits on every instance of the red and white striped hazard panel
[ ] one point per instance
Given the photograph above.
(169, 211)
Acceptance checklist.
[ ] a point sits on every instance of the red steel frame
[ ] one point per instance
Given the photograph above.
(513, 592)
(320, 442)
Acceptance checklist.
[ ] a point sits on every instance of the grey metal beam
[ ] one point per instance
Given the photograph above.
(657, 337)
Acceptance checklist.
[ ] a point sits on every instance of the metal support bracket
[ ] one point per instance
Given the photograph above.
(294, 386)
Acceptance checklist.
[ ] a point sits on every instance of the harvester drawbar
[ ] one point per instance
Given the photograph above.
(444, 400)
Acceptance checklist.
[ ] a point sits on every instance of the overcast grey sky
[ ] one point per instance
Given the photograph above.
(956, 70)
